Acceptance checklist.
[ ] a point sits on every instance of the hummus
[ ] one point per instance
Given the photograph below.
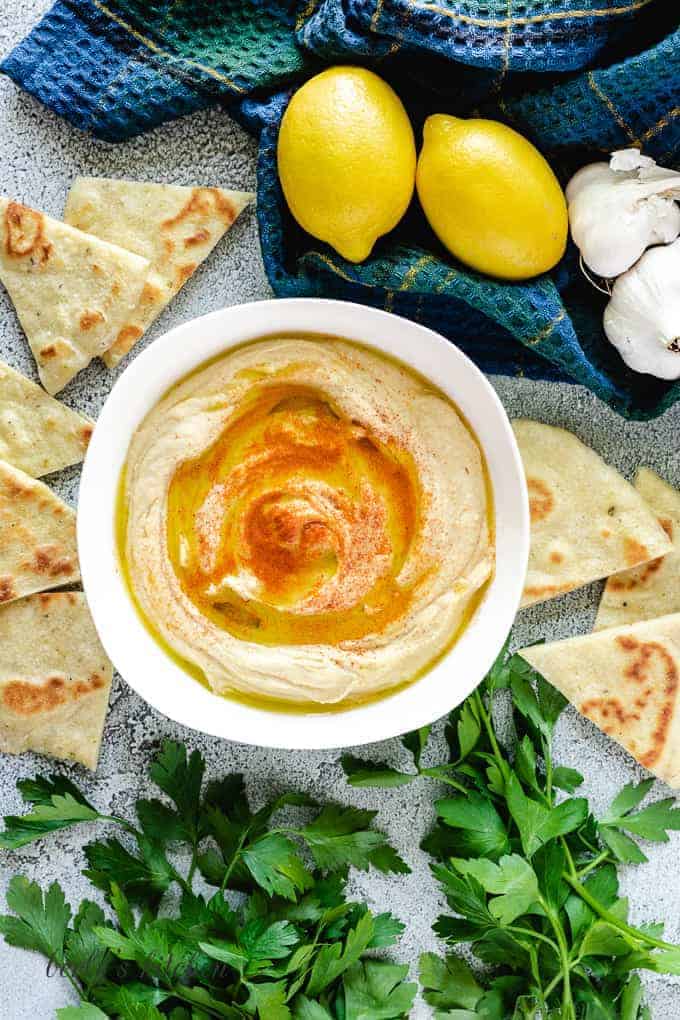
(305, 520)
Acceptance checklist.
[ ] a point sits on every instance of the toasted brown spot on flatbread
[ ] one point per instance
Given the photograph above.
(128, 335)
(538, 590)
(85, 433)
(606, 533)
(49, 352)
(90, 319)
(200, 237)
(634, 552)
(46, 560)
(126, 339)
(667, 526)
(93, 683)
(640, 578)
(6, 589)
(556, 557)
(169, 246)
(13, 488)
(27, 699)
(32, 699)
(648, 659)
(25, 233)
(183, 274)
(204, 201)
(150, 295)
(541, 501)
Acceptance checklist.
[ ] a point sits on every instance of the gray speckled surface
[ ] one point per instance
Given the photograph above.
(40, 155)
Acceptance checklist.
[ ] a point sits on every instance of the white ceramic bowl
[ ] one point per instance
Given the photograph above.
(138, 657)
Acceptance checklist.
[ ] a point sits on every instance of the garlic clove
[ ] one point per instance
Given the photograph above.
(629, 159)
(642, 319)
(618, 209)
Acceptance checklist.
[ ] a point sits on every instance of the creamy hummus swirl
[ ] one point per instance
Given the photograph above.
(306, 520)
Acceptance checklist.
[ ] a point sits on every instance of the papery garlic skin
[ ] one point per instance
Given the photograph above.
(642, 319)
(620, 208)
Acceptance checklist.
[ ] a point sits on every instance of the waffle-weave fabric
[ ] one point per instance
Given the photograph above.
(578, 78)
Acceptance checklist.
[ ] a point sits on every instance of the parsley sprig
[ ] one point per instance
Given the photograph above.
(277, 939)
(528, 871)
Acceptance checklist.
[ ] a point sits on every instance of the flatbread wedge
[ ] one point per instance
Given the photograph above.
(587, 521)
(72, 292)
(37, 537)
(174, 227)
(54, 678)
(627, 681)
(38, 434)
(653, 589)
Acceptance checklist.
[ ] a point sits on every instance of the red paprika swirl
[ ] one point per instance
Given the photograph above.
(306, 520)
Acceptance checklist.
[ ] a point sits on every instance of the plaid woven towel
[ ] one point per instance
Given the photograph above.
(579, 79)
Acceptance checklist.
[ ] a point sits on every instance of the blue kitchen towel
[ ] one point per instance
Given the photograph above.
(578, 79)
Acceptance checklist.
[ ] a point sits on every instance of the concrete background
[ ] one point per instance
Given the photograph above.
(39, 156)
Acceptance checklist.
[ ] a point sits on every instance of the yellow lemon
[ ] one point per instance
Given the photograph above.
(490, 197)
(347, 159)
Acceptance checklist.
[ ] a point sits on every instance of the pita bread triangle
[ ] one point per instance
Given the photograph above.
(627, 681)
(38, 434)
(37, 537)
(54, 678)
(174, 227)
(653, 589)
(587, 521)
(72, 292)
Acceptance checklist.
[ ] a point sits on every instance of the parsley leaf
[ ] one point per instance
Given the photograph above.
(86, 1011)
(448, 983)
(336, 958)
(416, 742)
(181, 777)
(538, 824)
(275, 864)
(361, 772)
(481, 829)
(512, 881)
(377, 989)
(87, 958)
(339, 837)
(58, 804)
(652, 822)
(144, 876)
(41, 920)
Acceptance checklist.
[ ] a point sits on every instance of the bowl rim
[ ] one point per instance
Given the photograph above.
(137, 656)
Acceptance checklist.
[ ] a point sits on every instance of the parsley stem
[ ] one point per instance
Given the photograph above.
(532, 934)
(568, 1012)
(177, 993)
(612, 919)
(120, 821)
(595, 863)
(488, 725)
(444, 779)
(192, 867)
(184, 885)
(75, 984)
(533, 959)
(234, 859)
(547, 758)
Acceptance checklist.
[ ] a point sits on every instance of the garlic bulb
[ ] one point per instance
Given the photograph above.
(642, 319)
(616, 210)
